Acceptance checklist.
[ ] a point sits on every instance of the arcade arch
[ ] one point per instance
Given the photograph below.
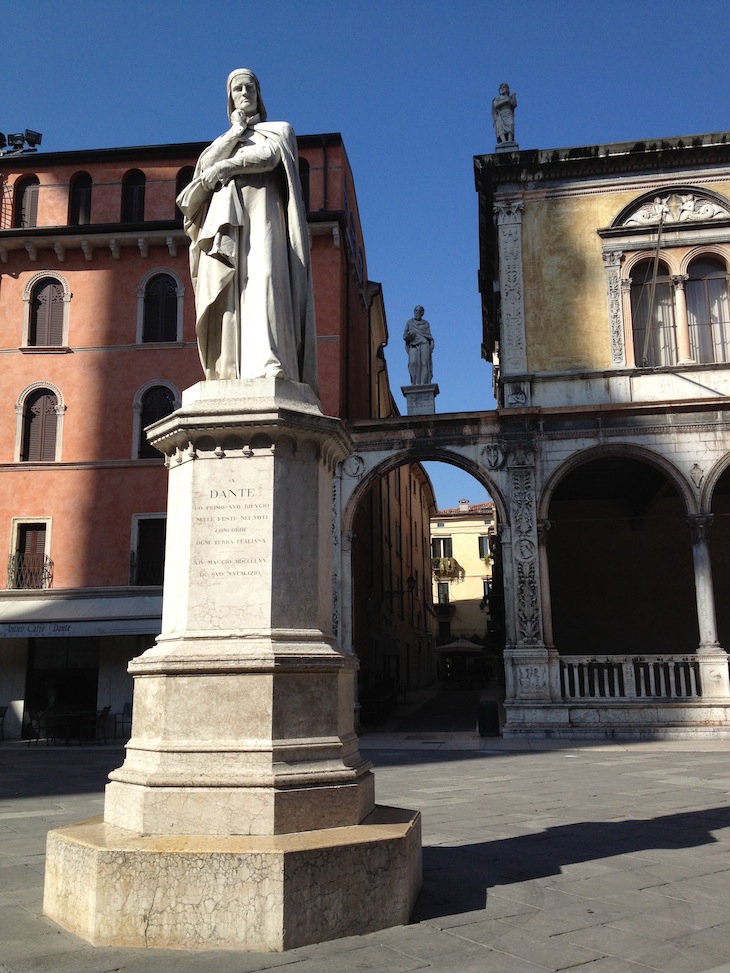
(620, 558)
(394, 619)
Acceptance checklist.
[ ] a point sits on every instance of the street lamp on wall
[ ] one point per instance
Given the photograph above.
(410, 581)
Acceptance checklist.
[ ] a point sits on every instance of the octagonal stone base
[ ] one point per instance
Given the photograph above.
(266, 892)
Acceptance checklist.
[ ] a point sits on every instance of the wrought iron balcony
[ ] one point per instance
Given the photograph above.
(30, 571)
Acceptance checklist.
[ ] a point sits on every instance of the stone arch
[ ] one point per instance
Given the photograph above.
(628, 450)
(619, 554)
(415, 454)
(358, 476)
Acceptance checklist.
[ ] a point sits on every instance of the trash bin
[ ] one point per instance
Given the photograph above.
(488, 717)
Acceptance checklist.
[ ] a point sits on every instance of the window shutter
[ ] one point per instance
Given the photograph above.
(46, 316)
(30, 205)
(32, 539)
(40, 424)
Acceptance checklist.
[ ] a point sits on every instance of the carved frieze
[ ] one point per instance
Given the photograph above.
(677, 208)
(612, 262)
(508, 217)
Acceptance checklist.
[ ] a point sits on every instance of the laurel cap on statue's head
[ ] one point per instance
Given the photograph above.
(237, 73)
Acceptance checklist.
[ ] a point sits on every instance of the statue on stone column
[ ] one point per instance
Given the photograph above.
(419, 345)
(249, 247)
(503, 114)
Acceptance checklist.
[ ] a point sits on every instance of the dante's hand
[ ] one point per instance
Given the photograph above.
(238, 122)
(210, 178)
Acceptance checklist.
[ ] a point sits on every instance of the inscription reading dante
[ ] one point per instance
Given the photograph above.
(231, 534)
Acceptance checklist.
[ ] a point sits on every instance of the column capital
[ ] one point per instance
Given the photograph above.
(679, 280)
(699, 524)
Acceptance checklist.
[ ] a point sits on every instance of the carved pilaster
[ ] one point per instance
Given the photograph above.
(513, 352)
(612, 263)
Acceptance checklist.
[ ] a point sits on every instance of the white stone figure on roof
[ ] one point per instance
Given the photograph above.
(249, 250)
(503, 114)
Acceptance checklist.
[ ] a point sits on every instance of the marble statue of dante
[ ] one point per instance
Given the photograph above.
(503, 114)
(249, 247)
(419, 345)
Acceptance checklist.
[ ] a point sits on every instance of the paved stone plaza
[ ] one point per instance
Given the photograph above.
(589, 858)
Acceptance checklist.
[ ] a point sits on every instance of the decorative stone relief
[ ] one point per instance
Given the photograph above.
(524, 543)
(697, 474)
(612, 262)
(508, 218)
(517, 394)
(495, 455)
(677, 208)
(353, 466)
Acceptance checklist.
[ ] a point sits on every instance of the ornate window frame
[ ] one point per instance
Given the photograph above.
(179, 293)
(28, 310)
(694, 222)
(20, 405)
(137, 410)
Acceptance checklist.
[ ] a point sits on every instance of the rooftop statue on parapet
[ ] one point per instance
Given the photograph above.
(503, 114)
(249, 251)
(419, 345)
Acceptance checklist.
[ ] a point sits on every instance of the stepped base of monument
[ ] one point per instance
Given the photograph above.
(113, 887)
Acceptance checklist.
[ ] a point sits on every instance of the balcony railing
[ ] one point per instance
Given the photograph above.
(635, 677)
(30, 571)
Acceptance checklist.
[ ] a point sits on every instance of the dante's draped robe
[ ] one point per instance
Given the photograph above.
(249, 260)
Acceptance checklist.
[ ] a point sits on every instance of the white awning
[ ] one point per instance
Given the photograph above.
(54, 614)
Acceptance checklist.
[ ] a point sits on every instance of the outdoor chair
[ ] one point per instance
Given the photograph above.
(123, 721)
(100, 725)
(33, 726)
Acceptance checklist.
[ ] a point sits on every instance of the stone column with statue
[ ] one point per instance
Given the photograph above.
(243, 815)
(421, 393)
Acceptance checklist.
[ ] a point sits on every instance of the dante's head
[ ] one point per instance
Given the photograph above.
(418, 312)
(240, 79)
(504, 89)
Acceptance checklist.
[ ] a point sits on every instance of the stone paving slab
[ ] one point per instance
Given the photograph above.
(548, 856)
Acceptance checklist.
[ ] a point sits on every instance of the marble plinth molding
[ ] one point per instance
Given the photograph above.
(243, 745)
(420, 399)
(269, 893)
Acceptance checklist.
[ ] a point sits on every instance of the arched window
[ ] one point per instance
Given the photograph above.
(133, 186)
(157, 402)
(79, 209)
(46, 313)
(160, 309)
(184, 178)
(26, 202)
(708, 310)
(40, 425)
(304, 179)
(652, 315)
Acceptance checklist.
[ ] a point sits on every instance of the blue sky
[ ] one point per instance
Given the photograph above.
(408, 83)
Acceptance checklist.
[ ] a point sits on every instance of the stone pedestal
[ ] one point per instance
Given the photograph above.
(420, 399)
(243, 764)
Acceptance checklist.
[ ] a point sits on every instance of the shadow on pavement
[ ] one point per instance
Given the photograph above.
(458, 879)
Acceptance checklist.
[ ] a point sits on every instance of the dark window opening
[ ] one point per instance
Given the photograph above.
(133, 188)
(157, 403)
(148, 561)
(79, 213)
(160, 309)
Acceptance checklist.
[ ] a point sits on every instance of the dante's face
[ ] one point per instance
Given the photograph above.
(243, 94)
(504, 89)
(418, 313)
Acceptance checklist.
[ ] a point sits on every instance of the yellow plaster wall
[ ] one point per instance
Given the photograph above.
(566, 304)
